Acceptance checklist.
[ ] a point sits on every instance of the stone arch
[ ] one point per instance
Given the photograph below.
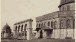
(61, 24)
(18, 28)
(22, 27)
(68, 7)
(48, 23)
(52, 24)
(25, 29)
(41, 34)
(68, 23)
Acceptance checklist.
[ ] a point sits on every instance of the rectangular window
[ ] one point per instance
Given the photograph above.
(44, 23)
(68, 8)
(63, 8)
(48, 23)
(39, 25)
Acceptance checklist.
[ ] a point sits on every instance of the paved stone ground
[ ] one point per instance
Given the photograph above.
(41, 40)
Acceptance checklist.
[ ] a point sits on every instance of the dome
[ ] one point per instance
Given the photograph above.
(63, 2)
(6, 28)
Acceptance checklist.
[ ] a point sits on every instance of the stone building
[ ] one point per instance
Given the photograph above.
(6, 32)
(23, 29)
(59, 24)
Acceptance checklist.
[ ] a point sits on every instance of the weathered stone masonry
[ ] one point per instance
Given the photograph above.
(61, 22)
(23, 29)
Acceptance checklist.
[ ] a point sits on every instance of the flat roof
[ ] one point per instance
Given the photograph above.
(23, 21)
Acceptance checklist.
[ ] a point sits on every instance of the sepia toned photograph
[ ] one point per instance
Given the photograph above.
(37, 20)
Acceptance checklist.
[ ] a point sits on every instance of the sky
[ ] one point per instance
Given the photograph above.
(13, 11)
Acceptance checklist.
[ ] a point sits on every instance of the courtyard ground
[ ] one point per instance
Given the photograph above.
(41, 40)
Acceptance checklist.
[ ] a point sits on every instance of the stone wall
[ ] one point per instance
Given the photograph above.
(23, 29)
(63, 33)
(70, 6)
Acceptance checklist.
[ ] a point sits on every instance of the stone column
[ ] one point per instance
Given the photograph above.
(29, 29)
(17, 32)
(20, 29)
(15, 35)
(23, 27)
(24, 32)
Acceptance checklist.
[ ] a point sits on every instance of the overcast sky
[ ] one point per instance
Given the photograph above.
(17, 10)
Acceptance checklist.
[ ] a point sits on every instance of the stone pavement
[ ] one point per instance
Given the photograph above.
(41, 40)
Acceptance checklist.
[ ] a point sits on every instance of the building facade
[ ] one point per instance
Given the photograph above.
(59, 24)
(23, 29)
(6, 32)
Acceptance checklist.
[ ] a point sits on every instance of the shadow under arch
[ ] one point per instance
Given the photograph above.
(41, 34)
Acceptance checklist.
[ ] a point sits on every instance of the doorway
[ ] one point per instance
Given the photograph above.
(41, 34)
(49, 33)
